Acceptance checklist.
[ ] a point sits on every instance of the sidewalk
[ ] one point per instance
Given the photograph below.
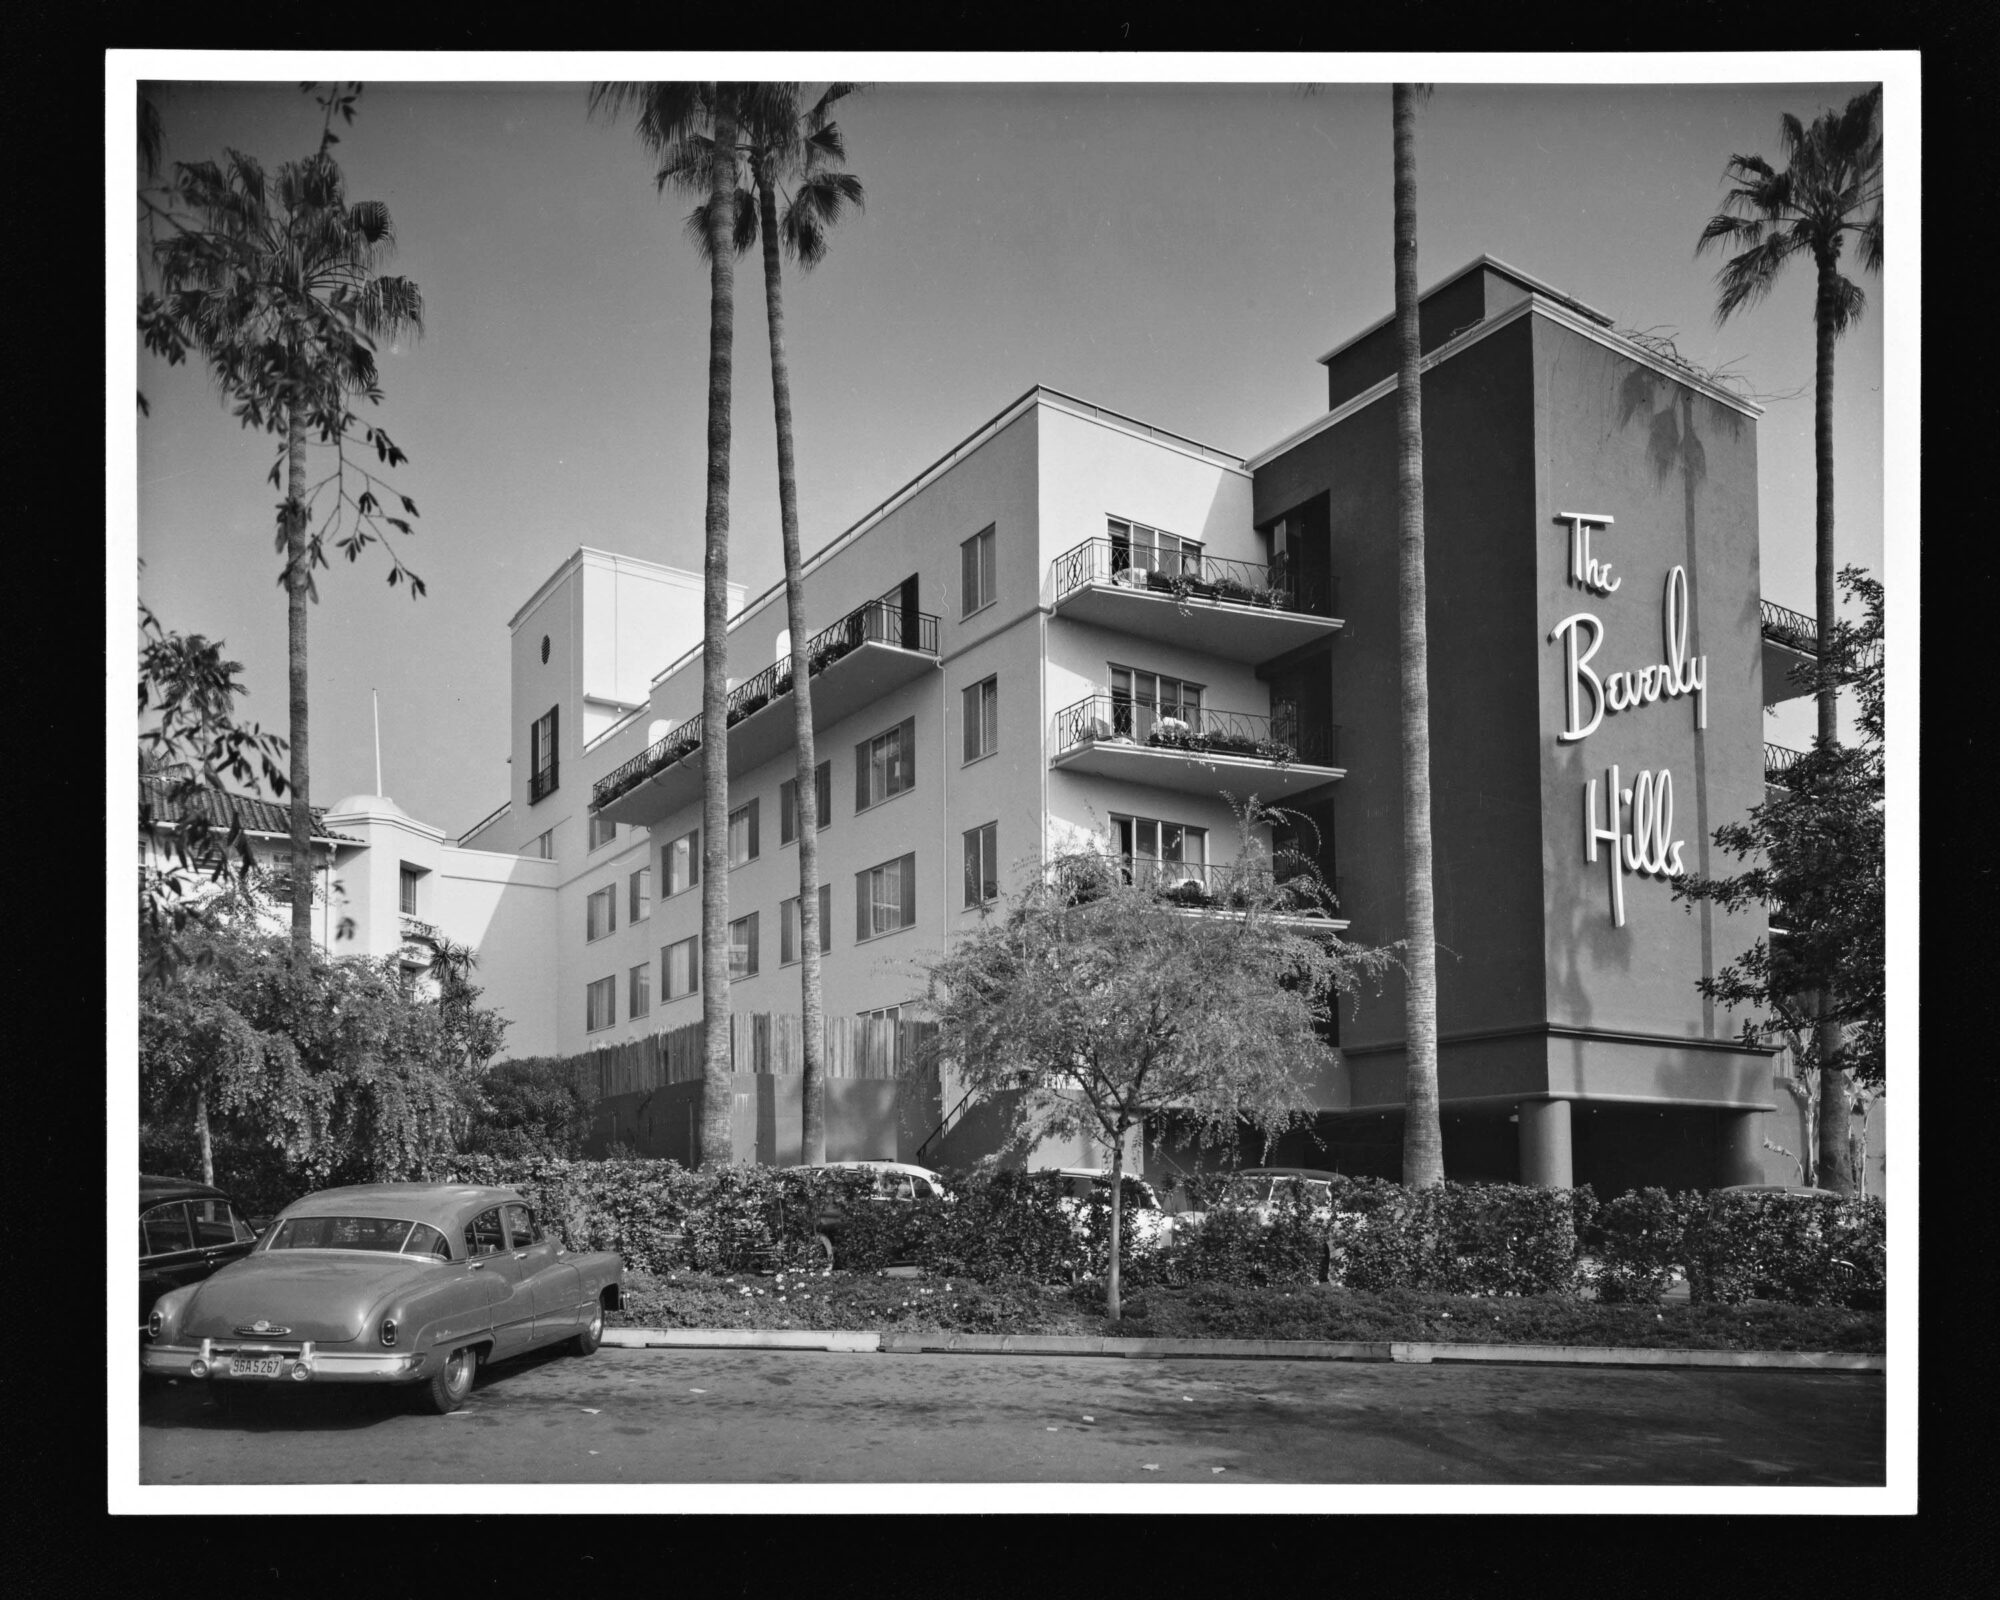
(1026, 1344)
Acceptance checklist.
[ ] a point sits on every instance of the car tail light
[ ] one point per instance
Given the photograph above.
(154, 1324)
(388, 1330)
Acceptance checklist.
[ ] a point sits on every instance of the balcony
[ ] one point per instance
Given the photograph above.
(1778, 760)
(1237, 610)
(1222, 887)
(1199, 751)
(1791, 640)
(875, 649)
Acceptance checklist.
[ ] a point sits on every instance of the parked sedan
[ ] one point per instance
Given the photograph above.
(1145, 1220)
(893, 1180)
(392, 1283)
(187, 1230)
(1263, 1189)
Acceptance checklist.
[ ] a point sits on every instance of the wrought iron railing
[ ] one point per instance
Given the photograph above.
(1116, 719)
(877, 622)
(1230, 885)
(1779, 760)
(1194, 575)
(1787, 627)
(542, 784)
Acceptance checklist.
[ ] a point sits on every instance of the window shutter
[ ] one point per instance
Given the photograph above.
(972, 868)
(753, 831)
(555, 744)
(534, 747)
(823, 794)
(750, 968)
(861, 776)
(969, 711)
(825, 918)
(694, 858)
(909, 877)
(908, 741)
(694, 965)
(788, 811)
(968, 575)
(989, 585)
(861, 929)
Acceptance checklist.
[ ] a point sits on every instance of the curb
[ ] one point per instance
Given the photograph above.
(1397, 1351)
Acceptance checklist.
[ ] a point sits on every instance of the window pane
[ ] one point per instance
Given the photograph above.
(1147, 838)
(639, 1000)
(641, 895)
(164, 1229)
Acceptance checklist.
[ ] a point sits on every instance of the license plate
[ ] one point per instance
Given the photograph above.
(255, 1366)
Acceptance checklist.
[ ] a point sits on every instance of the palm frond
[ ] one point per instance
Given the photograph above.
(1747, 278)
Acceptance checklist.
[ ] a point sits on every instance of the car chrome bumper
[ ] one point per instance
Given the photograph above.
(298, 1363)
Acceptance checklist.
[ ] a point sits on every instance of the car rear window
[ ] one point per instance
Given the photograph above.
(386, 1234)
(425, 1240)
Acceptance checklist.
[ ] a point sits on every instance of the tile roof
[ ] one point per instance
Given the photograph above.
(216, 806)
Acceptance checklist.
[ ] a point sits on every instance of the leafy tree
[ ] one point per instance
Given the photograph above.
(273, 281)
(336, 1068)
(192, 747)
(1097, 1004)
(1816, 844)
(1831, 187)
(791, 154)
(1423, 1133)
(530, 1107)
(668, 118)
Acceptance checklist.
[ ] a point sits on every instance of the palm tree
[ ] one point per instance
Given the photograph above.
(1423, 1135)
(668, 117)
(276, 285)
(783, 144)
(1831, 187)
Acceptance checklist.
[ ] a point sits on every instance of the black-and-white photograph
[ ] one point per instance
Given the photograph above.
(1081, 782)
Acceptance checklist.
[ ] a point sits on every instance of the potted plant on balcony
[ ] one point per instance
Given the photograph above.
(1187, 892)
(1131, 577)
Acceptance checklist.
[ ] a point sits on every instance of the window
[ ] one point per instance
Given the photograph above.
(543, 846)
(522, 1225)
(982, 719)
(600, 913)
(976, 572)
(1154, 849)
(788, 802)
(743, 947)
(164, 1230)
(1140, 699)
(982, 865)
(885, 765)
(743, 834)
(885, 898)
(484, 1235)
(216, 1224)
(406, 893)
(542, 756)
(680, 864)
(600, 1004)
(639, 895)
(639, 990)
(881, 1042)
(789, 943)
(680, 969)
(602, 832)
(1150, 550)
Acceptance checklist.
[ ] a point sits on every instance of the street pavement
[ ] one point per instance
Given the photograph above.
(762, 1416)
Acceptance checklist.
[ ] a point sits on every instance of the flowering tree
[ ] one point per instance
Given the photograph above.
(1095, 1003)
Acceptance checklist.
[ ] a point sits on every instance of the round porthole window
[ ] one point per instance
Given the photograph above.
(545, 648)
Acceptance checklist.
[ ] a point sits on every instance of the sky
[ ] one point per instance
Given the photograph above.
(1181, 252)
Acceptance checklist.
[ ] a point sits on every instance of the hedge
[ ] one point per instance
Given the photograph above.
(1505, 1240)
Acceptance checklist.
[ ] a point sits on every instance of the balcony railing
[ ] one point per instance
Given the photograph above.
(1779, 760)
(542, 784)
(1195, 575)
(1790, 628)
(1228, 885)
(1198, 731)
(877, 622)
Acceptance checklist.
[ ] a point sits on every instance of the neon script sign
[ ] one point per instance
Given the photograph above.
(1638, 820)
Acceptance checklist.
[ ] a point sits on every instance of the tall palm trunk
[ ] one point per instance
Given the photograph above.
(297, 576)
(812, 1091)
(1835, 1093)
(1423, 1136)
(717, 1091)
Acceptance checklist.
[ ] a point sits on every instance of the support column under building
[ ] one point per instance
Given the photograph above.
(1545, 1144)
(1740, 1147)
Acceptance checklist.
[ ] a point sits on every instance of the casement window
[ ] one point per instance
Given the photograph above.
(880, 1044)
(600, 1004)
(1154, 848)
(743, 834)
(885, 898)
(680, 864)
(542, 769)
(542, 846)
(1140, 699)
(885, 765)
(639, 895)
(680, 969)
(789, 941)
(639, 990)
(981, 710)
(982, 865)
(976, 573)
(788, 802)
(743, 947)
(406, 891)
(600, 913)
(602, 832)
(1150, 550)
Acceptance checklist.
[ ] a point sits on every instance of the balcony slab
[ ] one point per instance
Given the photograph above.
(1225, 628)
(1187, 772)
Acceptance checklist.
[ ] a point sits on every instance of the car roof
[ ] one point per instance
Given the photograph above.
(154, 1189)
(442, 1205)
(1095, 1172)
(868, 1166)
(1318, 1173)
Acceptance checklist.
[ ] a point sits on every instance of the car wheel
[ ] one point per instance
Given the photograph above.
(586, 1342)
(452, 1382)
